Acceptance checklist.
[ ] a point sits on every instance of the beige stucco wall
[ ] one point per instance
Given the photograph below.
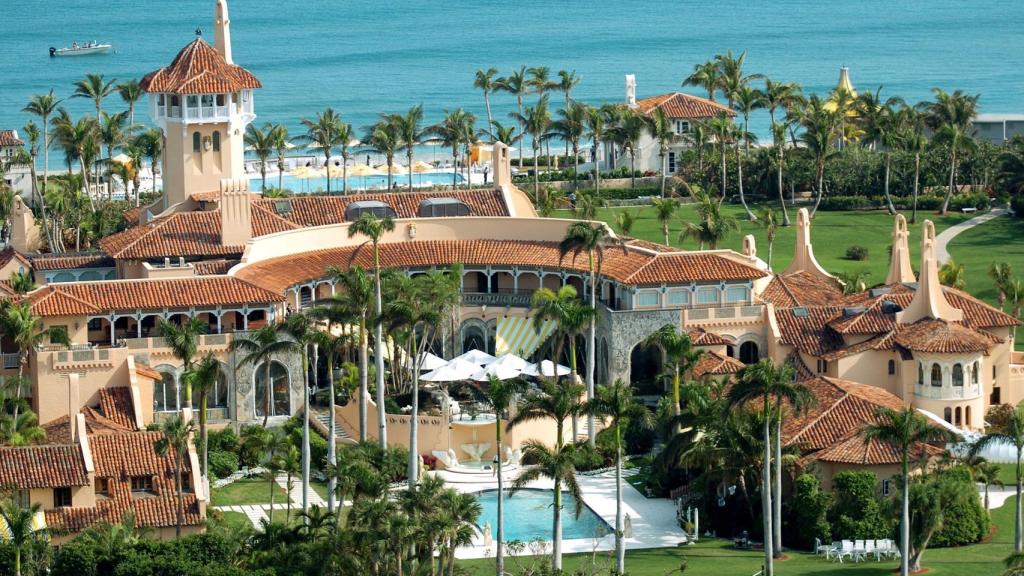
(186, 172)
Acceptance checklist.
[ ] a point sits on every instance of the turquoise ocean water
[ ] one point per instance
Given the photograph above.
(363, 58)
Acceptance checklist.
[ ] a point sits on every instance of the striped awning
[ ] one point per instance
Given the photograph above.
(516, 335)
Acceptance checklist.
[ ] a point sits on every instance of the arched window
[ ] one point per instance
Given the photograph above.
(958, 375)
(196, 142)
(976, 372)
(216, 140)
(892, 367)
(936, 375)
(967, 415)
(947, 414)
(959, 415)
(218, 397)
(280, 401)
(920, 374)
(749, 353)
(165, 397)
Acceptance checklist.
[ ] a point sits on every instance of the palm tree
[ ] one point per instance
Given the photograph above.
(177, 434)
(485, 81)
(741, 135)
(374, 228)
(1001, 275)
(627, 131)
(557, 464)
(20, 430)
(616, 404)
(278, 135)
(906, 429)
(325, 132)
(130, 93)
(882, 125)
(953, 274)
(96, 88)
(43, 106)
(26, 330)
(722, 131)
(664, 211)
(21, 528)
(112, 135)
(452, 132)
(680, 358)
(261, 141)
(985, 473)
(517, 84)
(661, 129)
(593, 239)
(705, 75)
(567, 80)
(798, 398)
(571, 127)
(1011, 433)
(201, 378)
(712, 226)
(382, 138)
(300, 328)
(356, 303)
(505, 134)
(260, 347)
(784, 95)
(913, 140)
(767, 219)
(951, 117)
(625, 220)
(597, 121)
(536, 122)
(80, 142)
(332, 344)
(731, 78)
(409, 131)
(819, 137)
(746, 100)
(154, 147)
(183, 340)
(32, 134)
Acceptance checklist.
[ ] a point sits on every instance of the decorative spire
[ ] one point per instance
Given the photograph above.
(222, 31)
(929, 299)
(899, 261)
(803, 254)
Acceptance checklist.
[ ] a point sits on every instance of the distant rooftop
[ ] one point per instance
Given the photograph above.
(999, 117)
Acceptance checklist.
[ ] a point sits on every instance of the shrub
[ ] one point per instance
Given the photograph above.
(589, 458)
(810, 510)
(964, 519)
(977, 200)
(857, 252)
(224, 440)
(837, 203)
(856, 512)
(222, 464)
(76, 558)
(1017, 204)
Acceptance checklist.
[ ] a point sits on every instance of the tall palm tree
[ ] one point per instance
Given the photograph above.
(731, 78)
(33, 137)
(951, 117)
(746, 100)
(374, 228)
(821, 127)
(80, 142)
(261, 142)
(1011, 433)
(797, 398)
(43, 106)
(907, 429)
(382, 138)
(741, 135)
(201, 378)
(112, 135)
(597, 125)
(453, 132)
(616, 404)
(664, 211)
(705, 75)
(21, 528)
(780, 95)
(1002, 275)
(96, 88)
(567, 81)
(154, 147)
(913, 141)
(278, 135)
(333, 344)
(712, 225)
(517, 84)
(767, 219)
(505, 134)
(663, 132)
(356, 304)
(559, 465)
(487, 82)
(325, 132)
(592, 239)
(680, 358)
(571, 127)
(536, 122)
(722, 132)
(177, 434)
(183, 340)
(627, 132)
(130, 93)
(409, 131)
(304, 332)
(259, 348)
(21, 430)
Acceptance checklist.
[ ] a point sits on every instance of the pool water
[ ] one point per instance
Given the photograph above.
(528, 516)
(305, 185)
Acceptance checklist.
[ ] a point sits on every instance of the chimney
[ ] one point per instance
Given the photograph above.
(222, 31)
(501, 162)
(631, 90)
(73, 406)
(235, 214)
(899, 261)
(929, 299)
(25, 235)
(750, 247)
(803, 253)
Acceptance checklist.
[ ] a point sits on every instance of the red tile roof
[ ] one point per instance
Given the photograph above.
(801, 289)
(199, 69)
(939, 336)
(72, 260)
(977, 314)
(9, 253)
(680, 105)
(806, 329)
(715, 364)
(854, 450)
(116, 404)
(86, 298)
(10, 138)
(701, 337)
(44, 466)
(213, 267)
(842, 408)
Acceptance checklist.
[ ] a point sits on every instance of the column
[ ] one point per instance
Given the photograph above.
(515, 280)
(113, 320)
(138, 325)
(245, 319)
(220, 328)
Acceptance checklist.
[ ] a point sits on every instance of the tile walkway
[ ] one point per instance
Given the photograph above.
(257, 512)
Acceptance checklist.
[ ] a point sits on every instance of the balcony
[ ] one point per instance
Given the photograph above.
(967, 392)
(704, 314)
(503, 297)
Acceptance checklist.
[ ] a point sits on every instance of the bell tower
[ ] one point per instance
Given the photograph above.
(202, 102)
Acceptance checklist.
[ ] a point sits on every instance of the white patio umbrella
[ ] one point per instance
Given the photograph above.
(505, 367)
(510, 359)
(428, 361)
(453, 371)
(476, 357)
(546, 368)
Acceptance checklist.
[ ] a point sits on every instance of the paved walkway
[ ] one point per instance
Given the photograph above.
(257, 512)
(997, 496)
(943, 239)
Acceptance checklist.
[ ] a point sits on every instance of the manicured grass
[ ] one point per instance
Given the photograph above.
(246, 491)
(718, 558)
(320, 488)
(233, 521)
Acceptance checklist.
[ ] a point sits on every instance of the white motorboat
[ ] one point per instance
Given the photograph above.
(77, 49)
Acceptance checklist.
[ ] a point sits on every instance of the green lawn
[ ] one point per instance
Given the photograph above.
(717, 558)
(246, 491)
(320, 488)
(232, 521)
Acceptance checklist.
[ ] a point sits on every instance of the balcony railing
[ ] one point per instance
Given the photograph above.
(947, 392)
(504, 297)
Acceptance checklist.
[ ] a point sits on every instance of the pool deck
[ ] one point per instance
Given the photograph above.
(653, 519)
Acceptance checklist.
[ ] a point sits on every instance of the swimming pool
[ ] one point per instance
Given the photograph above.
(528, 516)
(301, 185)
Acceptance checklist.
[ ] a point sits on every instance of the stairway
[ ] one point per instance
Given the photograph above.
(324, 418)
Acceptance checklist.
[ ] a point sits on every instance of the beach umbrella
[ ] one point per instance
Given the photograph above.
(121, 159)
(476, 357)
(505, 367)
(364, 170)
(453, 371)
(428, 361)
(546, 368)
(420, 166)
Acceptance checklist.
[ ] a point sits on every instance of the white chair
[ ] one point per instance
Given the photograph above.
(859, 549)
(845, 550)
(870, 549)
(826, 549)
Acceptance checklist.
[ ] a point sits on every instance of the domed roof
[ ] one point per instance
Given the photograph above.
(199, 69)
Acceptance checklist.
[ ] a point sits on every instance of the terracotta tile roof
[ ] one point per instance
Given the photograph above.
(843, 407)
(59, 432)
(147, 371)
(208, 196)
(806, 329)
(9, 253)
(939, 336)
(72, 260)
(977, 314)
(701, 337)
(10, 138)
(181, 234)
(882, 341)
(131, 216)
(213, 267)
(126, 455)
(854, 450)
(85, 298)
(680, 105)
(304, 211)
(715, 364)
(199, 69)
(116, 404)
(803, 371)
(801, 289)
(641, 243)
(43, 466)
(632, 267)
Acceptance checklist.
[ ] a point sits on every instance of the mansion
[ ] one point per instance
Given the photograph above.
(212, 249)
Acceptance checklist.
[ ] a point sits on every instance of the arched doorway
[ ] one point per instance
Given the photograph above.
(473, 338)
(280, 401)
(645, 369)
(749, 353)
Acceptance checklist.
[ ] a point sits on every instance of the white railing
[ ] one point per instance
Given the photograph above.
(947, 392)
(11, 360)
(207, 113)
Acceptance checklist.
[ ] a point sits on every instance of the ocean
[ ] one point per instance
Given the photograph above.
(365, 58)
